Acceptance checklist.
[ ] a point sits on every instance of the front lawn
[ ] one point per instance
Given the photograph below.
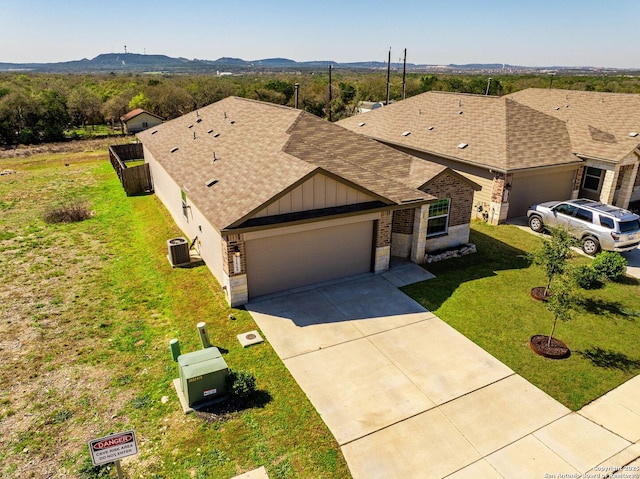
(486, 297)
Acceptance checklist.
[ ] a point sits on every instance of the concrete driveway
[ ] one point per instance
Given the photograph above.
(407, 396)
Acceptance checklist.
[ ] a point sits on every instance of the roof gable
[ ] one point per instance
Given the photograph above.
(256, 152)
(598, 123)
(137, 112)
(487, 131)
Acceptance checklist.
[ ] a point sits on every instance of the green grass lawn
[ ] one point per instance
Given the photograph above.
(87, 310)
(486, 296)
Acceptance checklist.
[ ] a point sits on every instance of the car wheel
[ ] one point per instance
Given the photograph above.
(535, 223)
(590, 245)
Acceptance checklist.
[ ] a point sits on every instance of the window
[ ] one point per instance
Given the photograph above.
(184, 204)
(592, 179)
(565, 209)
(585, 215)
(606, 222)
(438, 219)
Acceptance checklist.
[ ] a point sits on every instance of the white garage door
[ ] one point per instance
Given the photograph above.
(298, 259)
(538, 188)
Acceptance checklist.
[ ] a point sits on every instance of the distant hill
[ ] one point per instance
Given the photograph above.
(139, 63)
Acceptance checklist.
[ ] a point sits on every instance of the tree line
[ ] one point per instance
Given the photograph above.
(36, 108)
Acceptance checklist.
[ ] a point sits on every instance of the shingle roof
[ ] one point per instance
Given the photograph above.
(133, 113)
(598, 123)
(263, 149)
(498, 132)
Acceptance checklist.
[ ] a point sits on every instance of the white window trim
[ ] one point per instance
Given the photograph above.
(600, 179)
(446, 229)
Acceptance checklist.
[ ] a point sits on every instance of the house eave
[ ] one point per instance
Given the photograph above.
(441, 155)
(377, 209)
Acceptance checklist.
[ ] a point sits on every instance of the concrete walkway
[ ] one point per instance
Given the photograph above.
(407, 396)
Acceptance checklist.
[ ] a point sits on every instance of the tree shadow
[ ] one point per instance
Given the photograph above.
(604, 308)
(492, 255)
(227, 409)
(609, 359)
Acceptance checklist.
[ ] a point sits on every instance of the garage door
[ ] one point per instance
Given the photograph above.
(288, 261)
(538, 188)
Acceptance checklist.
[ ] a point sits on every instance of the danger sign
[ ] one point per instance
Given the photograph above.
(114, 447)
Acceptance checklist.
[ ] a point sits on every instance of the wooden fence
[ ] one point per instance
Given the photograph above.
(137, 179)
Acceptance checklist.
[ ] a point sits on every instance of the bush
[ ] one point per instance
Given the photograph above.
(68, 213)
(610, 265)
(241, 384)
(586, 277)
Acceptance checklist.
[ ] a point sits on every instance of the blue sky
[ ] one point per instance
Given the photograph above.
(521, 32)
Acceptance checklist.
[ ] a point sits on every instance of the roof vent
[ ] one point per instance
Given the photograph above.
(431, 128)
(190, 126)
(154, 132)
(406, 133)
(557, 108)
(462, 146)
(633, 134)
(232, 122)
(211, 182)
(362, 123)
(209, 131)
(198, 120)
(174, 149)
(216, 135)
(214, 156)
(460, 112)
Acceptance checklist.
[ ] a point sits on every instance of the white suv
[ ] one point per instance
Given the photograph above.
(596, 225)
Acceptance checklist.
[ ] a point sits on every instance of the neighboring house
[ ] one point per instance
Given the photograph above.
(139, 120)
(531, 146)
(365, 106)
(275, 198)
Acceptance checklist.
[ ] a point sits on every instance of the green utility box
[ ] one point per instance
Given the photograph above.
(203, 376)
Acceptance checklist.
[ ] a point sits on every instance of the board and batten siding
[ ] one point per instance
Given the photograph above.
(319, 191)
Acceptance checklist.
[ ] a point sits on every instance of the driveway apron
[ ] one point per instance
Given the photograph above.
(407, 396)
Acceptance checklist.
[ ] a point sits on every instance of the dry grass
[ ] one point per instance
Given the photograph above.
(86, 312)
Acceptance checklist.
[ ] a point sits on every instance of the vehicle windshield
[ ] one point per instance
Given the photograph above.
(629, 226)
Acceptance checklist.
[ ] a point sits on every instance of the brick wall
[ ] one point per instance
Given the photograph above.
(497, 193)
(403, 221)
(383, 229)
(229, 244)
(459, 193)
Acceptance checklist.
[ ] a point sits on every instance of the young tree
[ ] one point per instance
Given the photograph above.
(553, 255)
(560, 303)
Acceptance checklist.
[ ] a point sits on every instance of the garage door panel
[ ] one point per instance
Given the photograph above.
(538, 188)
(288, 261)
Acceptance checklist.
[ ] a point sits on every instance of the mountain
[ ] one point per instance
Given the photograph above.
(138, 63)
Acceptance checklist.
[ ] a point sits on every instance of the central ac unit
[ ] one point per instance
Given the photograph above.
(178, 251)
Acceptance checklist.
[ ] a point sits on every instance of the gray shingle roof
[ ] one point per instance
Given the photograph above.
(263, 149)
(498, 132)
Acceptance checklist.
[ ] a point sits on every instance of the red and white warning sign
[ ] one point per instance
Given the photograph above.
(114, 447)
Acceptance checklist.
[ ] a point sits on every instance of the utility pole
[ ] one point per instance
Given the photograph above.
(488, 85)
(404, 75)
(330, 96)
(388, 75)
